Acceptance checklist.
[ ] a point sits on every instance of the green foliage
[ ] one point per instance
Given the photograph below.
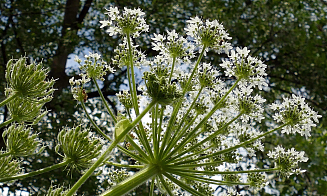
(8, 167)
(20, 141)
(78, 146)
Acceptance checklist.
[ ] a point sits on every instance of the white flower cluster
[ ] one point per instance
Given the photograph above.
(173, 46)
(243, 132)
(210, 34)
(122, 58)
(77, 89)
(94, 66)
(250, 70)
(286, 161)
(251, 106)
(130, 22)
(93, 70)
(296, 114)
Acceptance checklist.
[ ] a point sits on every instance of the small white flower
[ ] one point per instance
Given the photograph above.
(209, 34)
(130, 22)
(296, 114)
(250, 70)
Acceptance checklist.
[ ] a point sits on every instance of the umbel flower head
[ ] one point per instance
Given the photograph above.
(130, 22)
(28, 81)
(24, 110)
(296, 114)
(159, 89)
(250, 70)
(288, 160)
(20, 141)
(77, 89)
(197, 123)
(8, 167)
(210, 34)
(173, 46)
(122, 57)
(94, 66)
(56, 192)
(78, 146)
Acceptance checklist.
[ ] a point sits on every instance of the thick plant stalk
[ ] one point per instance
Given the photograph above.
(34, 173)
(8, 99)
(105, 155)
(134, 181)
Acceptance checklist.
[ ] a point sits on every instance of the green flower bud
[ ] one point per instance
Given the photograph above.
(200, 108)
(232, 177)
(161, 90)
(56, 192)
(117, 176)
(125, 99)
(78, 146)
(257, 180)
(25, 110)
(8, 168)
(95, 69)
(28, 81)
(20, 141)
(206, 79)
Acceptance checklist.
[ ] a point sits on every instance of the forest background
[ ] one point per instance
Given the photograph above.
(290, 36)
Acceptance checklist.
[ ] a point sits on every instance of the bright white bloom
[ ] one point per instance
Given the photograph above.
(250, 70)
(209, 34)
(122, 58)
(173, 46)
(286, 161)
(296, 114)
(250, 106)
(130, 22)
(93, 67)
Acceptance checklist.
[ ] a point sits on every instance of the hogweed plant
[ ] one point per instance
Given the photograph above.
(192, 131)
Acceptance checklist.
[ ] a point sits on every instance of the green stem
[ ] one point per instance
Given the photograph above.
(8, 99)
(210, 137)
(123, 165)
(131, 66)
(34, 173)
(177, 107)
(132, 182)
(105, 155)
(197, 165)
(239, 145)
(182, 159)
(6, 122)
(105, 101)
(152, 187)
(159, 130)
(176, 138)
(132, 155)
(193, 133)
(93, 123)
(143, 137)
(155, 130)
(181, 133)
(207, 180)
(249, 141)
(172, 69)
(183, 185)
(190, 171)
(137, 147)
(5, 154)
(130, 85)
(163, 182)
